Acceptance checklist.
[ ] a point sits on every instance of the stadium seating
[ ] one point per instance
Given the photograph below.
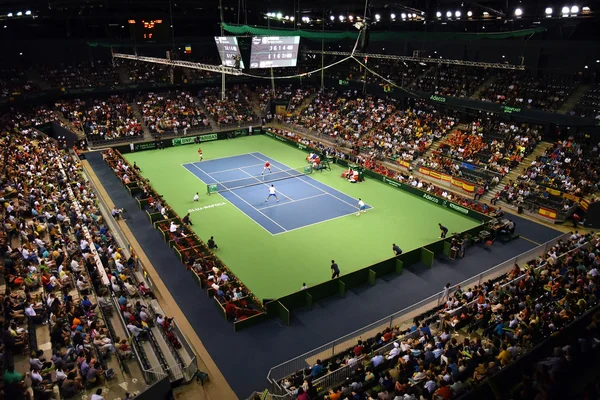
(15, 82)
(172, 112)
(589, 105)
(102, 120)
(83, 75)
(233, 111)
(476, 333)
(450, 80)
(520, 88)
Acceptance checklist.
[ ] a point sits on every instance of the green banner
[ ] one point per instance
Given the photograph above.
(192, 139)
(145, 146)
(211, 188)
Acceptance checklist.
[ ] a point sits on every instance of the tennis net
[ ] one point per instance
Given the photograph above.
(252, 180)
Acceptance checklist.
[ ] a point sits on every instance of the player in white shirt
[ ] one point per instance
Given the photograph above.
(267, 167)
(272, 194)
(196, 197)
(361, 207)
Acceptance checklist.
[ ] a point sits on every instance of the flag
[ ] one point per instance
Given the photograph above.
(188, 49)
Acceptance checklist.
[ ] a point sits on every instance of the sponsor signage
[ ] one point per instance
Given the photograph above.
(511, 110)
(437, 98)
(431, 198)
(145, 146)
(189, 140)
(458, 208)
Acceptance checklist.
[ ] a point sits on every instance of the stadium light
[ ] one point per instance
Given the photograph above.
(586, 67)
(469, 14)
(438, 14)
(292, 19)
(287, 17)
(486, 14)
(403, 15)
(342, 18)
(9, 15)
(449, 14)
(20, 13)
(565, 10)
(28, 12)
(279, 15)
(393, 16)
(377, 17)
(331, 17)
(548, 11)
(574, 10)
(350, 17)
(457, 14)
(518, 12)
(586, 10)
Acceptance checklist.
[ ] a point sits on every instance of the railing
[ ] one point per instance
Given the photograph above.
(399, 318)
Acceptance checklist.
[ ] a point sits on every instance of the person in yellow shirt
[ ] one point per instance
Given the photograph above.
(505, 357)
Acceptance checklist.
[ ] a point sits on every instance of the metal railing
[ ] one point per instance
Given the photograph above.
(401, 317)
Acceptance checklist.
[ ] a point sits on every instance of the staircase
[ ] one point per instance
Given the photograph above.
(573, 99)
(213, 124)
(304, 105)
(515, 172)
(138, 114)
(255, 103)
(486, 84)
(80, 134)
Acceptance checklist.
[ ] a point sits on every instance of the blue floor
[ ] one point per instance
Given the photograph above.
(270, 343)
(301, 201)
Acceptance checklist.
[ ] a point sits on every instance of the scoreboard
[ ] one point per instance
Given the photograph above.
(149, 30)
(274, 51)
(229, 50)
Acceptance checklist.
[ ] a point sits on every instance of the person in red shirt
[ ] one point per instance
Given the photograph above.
(200, 153)
(443, 391)
(359, 348)
(267, 167)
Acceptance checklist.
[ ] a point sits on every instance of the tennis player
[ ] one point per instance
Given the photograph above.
(196, 197)
(200, 153)
(361, 207)
(272, 194)
(267, 167)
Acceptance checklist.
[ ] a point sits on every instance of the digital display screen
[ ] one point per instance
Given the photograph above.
(228, 50)
(274, 51)
(149, 30)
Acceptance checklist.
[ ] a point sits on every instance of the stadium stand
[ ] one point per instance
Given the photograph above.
(546, 92)
(172, 112)
(233, 111)
(474, 334)
(102, 120)
(589, 105)
(451, 80)
(83, 75)
(15, 82)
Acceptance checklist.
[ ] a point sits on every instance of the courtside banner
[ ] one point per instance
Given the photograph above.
(193, 139)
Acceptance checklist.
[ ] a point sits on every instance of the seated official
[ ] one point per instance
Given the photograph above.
(347, 174)
(211, 243)
(316, 164)
(311, 157)
(509, 228)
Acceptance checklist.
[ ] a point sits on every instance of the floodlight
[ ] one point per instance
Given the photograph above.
(438, 14)
(377, 17)
(574, 10)
(469, 13)
(518, 12)
(449, 14)
(457, 14)
(548, 11)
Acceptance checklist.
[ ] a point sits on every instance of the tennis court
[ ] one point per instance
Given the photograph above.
(303, 201)
(276, 247)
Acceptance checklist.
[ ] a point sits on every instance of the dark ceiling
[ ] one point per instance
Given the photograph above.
(104, 18)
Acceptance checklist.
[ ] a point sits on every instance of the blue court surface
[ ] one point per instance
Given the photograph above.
(303, 201)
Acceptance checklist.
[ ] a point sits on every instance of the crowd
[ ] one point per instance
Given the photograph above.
(15, 82)
(369, 162)
(82, 75)
(172, 112)
(571, 165)
(102, 119)
(143, 72)
(295, 95)
(406, 134)
(523, 89)
(235, 109)
(450, 80)
(472, 336)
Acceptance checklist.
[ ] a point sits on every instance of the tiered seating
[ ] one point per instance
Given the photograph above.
(344, 116)
(172, 112)
(142, 72)
(101, 120)
(15, 82)
(295, 95)
(524, 89)
(82, 75)
(235, 300)
(589, 105)
(234, 110)
(481, 330)
(369, 162)
(451, 80)
(571, 166)
(406, 134)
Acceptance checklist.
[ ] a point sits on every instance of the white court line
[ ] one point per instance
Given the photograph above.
(318, 188)
(226, 170)
(218, 158)
(236, 195)
(293, 201)
(314, 223)
(266, 184)
(197, 177)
